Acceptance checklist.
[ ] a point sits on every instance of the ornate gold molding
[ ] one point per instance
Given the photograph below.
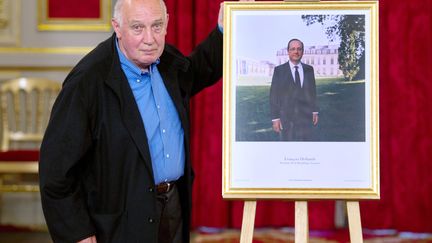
(9, 22)
(45, 23)
(3, 23)
(35, 68)
(46, 50)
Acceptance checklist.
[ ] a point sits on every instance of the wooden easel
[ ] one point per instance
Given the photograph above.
(301, 222)
(301, 209)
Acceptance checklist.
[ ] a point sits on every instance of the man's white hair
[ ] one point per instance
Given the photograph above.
(117, 15)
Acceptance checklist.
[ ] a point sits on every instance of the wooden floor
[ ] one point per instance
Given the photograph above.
(266, 235)
(43, 237)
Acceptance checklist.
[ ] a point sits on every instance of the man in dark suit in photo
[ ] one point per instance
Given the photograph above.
(115, 164)
(293, 97)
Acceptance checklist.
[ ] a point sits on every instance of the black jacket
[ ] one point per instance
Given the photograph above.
(95, 168)
(284, 103)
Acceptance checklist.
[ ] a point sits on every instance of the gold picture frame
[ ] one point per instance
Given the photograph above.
(342, 161)
(45, 23)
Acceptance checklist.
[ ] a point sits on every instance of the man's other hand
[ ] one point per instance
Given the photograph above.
(315, 119)
(277, 126)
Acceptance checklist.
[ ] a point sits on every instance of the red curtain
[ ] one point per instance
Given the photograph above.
(405, 123)
(405, 126)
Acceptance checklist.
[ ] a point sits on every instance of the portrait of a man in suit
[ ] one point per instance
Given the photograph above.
(293, 101)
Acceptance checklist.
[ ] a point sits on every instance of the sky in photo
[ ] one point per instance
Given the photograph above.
(260, 34)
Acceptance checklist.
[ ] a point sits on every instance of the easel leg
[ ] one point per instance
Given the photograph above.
(248, 222)
(354, 222)
(301, 222)
(340, 216)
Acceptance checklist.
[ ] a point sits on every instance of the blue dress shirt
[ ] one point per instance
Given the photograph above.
(161, 120)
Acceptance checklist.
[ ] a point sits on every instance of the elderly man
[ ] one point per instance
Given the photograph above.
(115, 160)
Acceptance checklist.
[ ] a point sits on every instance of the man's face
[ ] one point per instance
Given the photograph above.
(295, 51)
(141, 31)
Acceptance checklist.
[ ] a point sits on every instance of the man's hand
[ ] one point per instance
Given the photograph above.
(315, 119)
(277, 126)
(221, 12)
(91, 239)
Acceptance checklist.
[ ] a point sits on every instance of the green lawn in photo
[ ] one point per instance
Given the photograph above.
(341, 112)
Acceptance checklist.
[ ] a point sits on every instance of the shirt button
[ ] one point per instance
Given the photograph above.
(158, 106)
(138, 80)
(151, 189)
(163, 130)
(167, 155)
(151, 221)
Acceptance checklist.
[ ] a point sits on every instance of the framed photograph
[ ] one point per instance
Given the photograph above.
(10, 22)
(300, 111)
(74, 15)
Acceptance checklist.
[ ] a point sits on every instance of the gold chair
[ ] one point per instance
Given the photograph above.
(25, 108)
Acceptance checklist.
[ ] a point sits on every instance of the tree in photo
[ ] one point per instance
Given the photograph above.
(350, 29)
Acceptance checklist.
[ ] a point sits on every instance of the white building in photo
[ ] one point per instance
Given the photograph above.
(324, 59)
(253, 72)
(251, 67)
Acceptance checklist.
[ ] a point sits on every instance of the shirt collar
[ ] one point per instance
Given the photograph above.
(292, 65)
(126, 63)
